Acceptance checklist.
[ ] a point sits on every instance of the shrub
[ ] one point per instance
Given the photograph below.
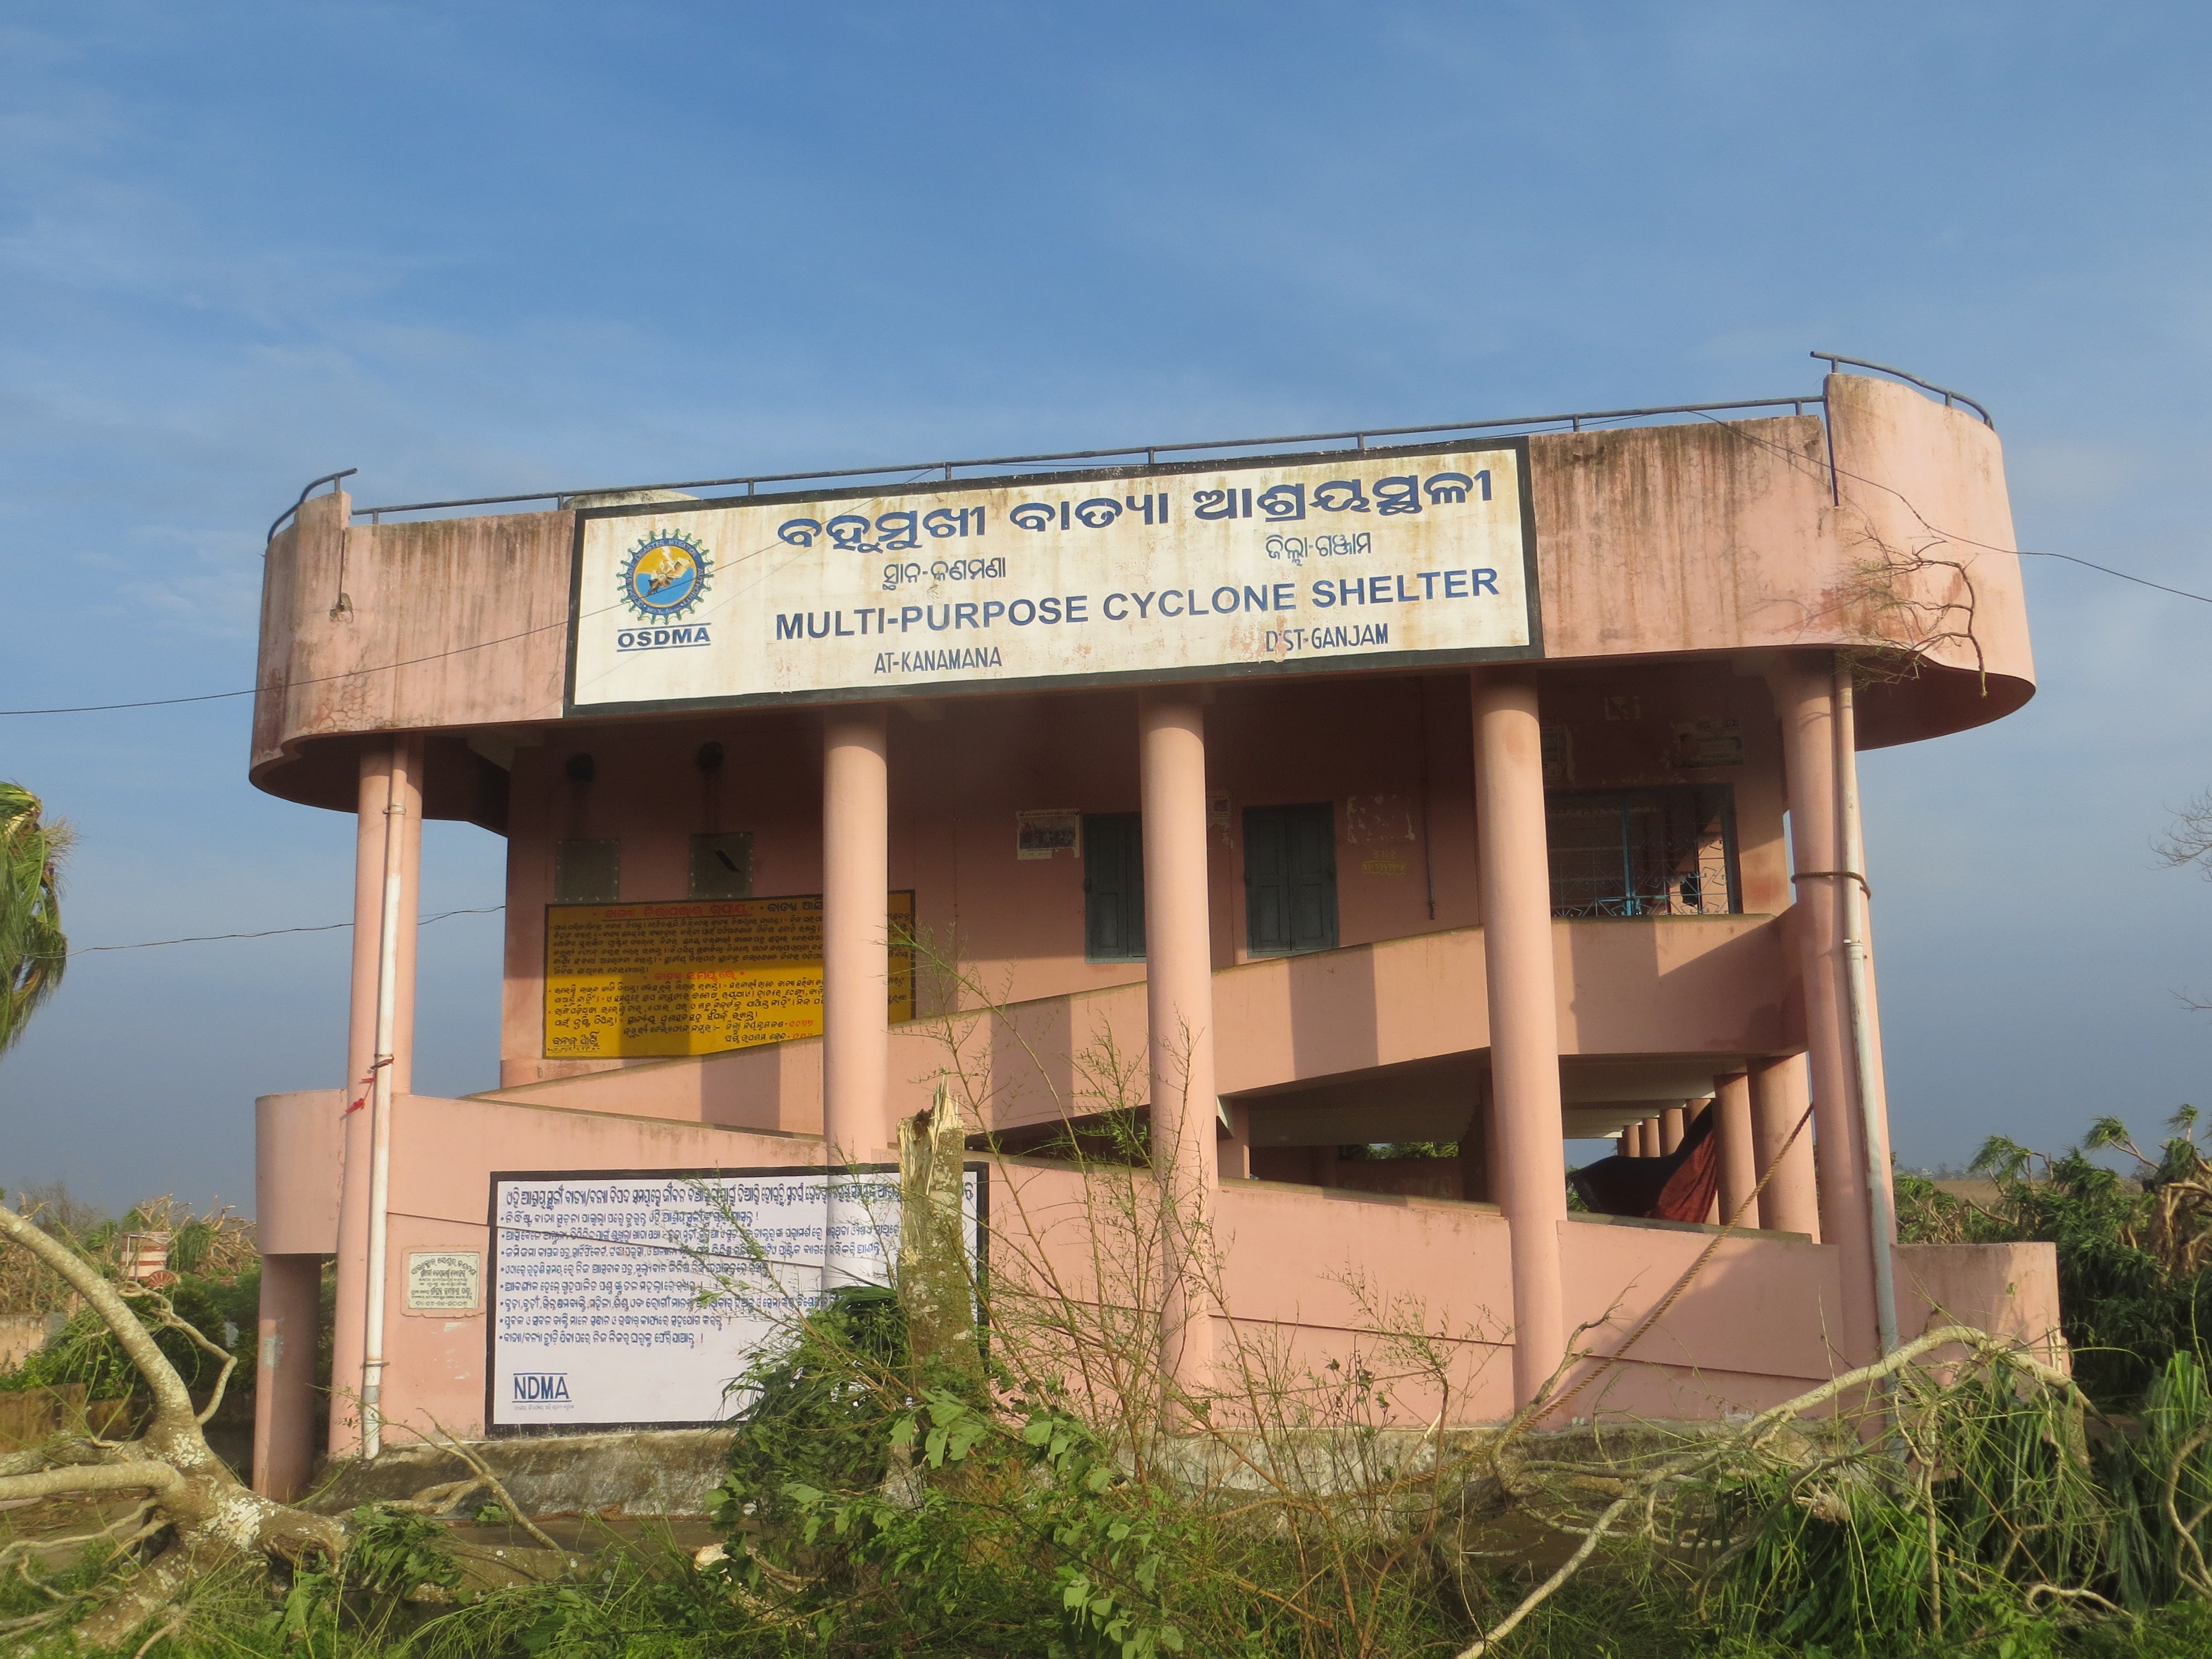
(2135, 1252)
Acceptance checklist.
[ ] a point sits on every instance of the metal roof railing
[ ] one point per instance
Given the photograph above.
(277, 523)
(1945, 392)
(1356, 437)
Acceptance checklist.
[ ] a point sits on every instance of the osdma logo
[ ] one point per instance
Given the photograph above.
(541, 1388)
(662, 580)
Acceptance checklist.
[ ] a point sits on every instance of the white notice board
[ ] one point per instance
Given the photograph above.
(597, 1277)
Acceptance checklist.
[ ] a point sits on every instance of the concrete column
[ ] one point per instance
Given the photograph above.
(1647, 1138)
(1514, 868)
(377, 794)
(855, 961)
(1672, 1123)
(1623, 1144)
(1233, 1151)
(1475, 1186)
(1804, 698)
(1738, 1152)
(1179, 1015)
(1779, 1095)
(284, 1391)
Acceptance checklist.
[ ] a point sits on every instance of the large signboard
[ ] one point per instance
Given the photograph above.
(696, 976)
(1361, 559)
(634, 1297)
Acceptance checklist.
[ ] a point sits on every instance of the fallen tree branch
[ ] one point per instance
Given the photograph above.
(444, 1498)
(485, 1474)
(165, 1311)
(31, 1621)
(173, 1401)
(27, 1548)
(191, 1494)
(1543, 1592)
(1753, 1437)
(166, 1629)
(139, 1475)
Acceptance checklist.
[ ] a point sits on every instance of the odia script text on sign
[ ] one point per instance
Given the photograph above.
(1296, 565)
(638, 980)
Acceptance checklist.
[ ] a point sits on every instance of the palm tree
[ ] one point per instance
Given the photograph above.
(33, 950)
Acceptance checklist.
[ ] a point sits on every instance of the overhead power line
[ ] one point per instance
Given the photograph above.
(272, 933)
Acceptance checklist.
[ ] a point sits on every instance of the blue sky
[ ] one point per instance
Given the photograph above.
(469, 248)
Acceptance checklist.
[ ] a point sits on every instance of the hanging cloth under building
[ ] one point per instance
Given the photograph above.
(1679, 1186)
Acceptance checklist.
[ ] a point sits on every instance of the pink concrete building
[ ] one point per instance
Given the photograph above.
(1447, 788)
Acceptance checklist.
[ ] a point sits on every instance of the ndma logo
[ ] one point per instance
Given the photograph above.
(541, 1387)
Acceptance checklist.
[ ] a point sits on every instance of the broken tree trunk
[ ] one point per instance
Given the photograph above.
(209, 1516)
(934, 1289)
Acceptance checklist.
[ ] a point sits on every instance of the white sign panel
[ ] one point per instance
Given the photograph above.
(634, 1297)
(1355, 561)
(445, 1281)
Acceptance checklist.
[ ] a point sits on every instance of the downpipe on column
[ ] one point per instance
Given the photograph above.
(379, 1122)
(1873, 1109)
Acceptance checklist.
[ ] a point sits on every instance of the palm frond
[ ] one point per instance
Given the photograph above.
(33, 949)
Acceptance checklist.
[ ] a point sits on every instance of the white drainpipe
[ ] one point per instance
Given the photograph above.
(1873, 1109)
(379, 1121)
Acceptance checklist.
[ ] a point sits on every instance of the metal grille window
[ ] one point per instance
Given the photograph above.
(1665, 852)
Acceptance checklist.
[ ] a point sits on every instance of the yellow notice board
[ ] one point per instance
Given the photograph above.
(695, 978)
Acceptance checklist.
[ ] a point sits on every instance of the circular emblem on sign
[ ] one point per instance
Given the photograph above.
(665, 576)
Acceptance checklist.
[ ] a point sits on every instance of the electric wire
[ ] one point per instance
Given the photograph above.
(272, 933)
(733, 563)
(1736, 427)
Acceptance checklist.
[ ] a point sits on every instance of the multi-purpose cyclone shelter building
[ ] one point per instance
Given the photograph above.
(1495, 789)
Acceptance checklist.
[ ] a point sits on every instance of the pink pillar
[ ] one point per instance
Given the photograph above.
(391, 790)
(1672, 1123)
(1474, 1159)
(1623, 1144)
(1804, 697)
(1647, 1138)
(1779, 1095)
(1179, 1015)
(1514, 869)
(1739, 1154)
(855, 960)
(284, 1391)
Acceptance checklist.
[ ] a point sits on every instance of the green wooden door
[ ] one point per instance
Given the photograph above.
(1290, 878)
